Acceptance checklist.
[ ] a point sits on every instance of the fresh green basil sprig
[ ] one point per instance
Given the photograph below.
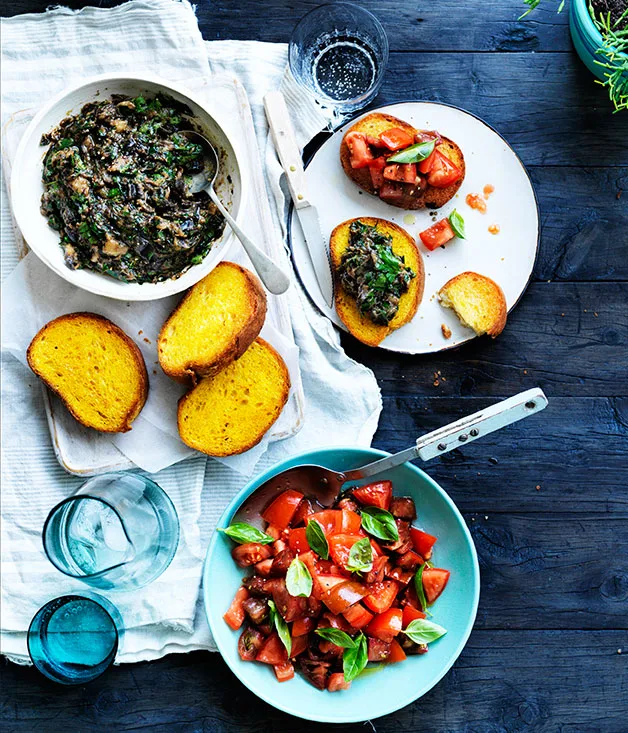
(380, 523)
(298, 579)
(316, 539)
(422, 631)
(456, 222)
(355, 658)
(360, 557)
(242, 533)
(337, 637)
(414, 154)
(277, 620)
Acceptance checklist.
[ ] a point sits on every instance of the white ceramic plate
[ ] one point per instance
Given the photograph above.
(27, 186)
(507, 258)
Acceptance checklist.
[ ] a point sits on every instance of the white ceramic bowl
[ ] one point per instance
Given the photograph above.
(27, 186)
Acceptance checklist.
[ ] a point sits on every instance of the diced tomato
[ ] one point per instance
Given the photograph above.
(263, 567)
(302, 626)
(401, 576)
(443, 172)
(273, 532)
(378, 650)
(410, 598)
(340, 546)
(278, 546)
(351, 522)
(289, 606)
(425, 166)
(299, 645)
(303, 511)
(343, 595)
(411, 614)
(396, 139)
(297, 540)
(358, 616)
(434, 582)
(249, 644)
(310, 560)
(273, 652)
(284, 671)
(392, 192)
(387, 625)
(376, 574)
(329, 519)
(332, 620)
(374, 141)
(377, 550)
(377, 494)
(437, 235)
(397, 654)
(409, 560)
(361, 154)
(377, 177)
(403, 172)
(280, 512)
(324, 583)
(328, 647)
(382, 596)
(250, 553)
(423, 542)
(424, 136)
(337, 682)
(235, 614)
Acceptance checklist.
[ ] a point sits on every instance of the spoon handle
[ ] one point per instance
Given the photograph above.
(461, 432)
(273, 277)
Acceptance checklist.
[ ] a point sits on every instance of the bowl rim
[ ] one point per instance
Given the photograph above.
(250, 486)
(162, 289)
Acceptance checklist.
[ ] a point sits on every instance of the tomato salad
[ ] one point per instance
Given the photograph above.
(334, 589)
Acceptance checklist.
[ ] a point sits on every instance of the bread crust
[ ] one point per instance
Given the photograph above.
(195, 370)
(498, 302)
(376, 333)
(431, 197)
(283, 399)
(138, 403)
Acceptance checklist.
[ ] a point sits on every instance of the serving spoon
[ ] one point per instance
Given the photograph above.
(273, 277)
(324, 484)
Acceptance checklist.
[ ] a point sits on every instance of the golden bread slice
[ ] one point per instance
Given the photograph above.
(403, 245)
(478, 302)
(431, 198)
(230, 412)
(94, 367)
(213, 325)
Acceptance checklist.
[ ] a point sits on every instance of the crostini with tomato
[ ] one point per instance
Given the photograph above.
(405, 167)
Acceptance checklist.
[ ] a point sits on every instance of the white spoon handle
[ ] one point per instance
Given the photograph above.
(273, 277)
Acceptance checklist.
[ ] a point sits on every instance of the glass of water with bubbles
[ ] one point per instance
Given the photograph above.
(339, 52)
(119, 531)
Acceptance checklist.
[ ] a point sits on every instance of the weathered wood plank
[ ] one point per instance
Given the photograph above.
(504, 681)
(447, 25)
(581, 353)
(575, 451)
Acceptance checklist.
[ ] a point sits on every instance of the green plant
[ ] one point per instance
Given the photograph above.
(613, 52)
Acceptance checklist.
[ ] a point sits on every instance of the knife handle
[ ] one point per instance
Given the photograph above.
(286, 146)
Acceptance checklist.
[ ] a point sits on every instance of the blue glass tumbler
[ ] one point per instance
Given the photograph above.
(74, 639)
(119, 531)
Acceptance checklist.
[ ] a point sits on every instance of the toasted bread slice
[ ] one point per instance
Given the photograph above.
(214, 324)
(230, 412)
(478, 302)
(94, 367)
(431, 198)
(403, 245)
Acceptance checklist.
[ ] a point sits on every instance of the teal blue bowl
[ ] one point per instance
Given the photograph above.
(394, 686)
(586, 38)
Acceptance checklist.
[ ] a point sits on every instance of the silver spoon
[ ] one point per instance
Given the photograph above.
(324, 485)
(273, 277)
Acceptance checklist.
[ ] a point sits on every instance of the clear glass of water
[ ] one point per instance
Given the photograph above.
(119, 531)
(339, 52)
(74, 639)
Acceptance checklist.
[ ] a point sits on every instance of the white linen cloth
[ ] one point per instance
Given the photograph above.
(42, 54)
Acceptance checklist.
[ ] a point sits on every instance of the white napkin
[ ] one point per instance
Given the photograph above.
(41, 55)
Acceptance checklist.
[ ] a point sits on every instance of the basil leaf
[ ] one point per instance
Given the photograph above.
(242, 532)
(316, 539)
(337, 637)
(420, 591)
(360, 557)
(276, 620)
(298, 579)
(380, 523)
(355, 658)
(457, 224)
(422, 631)
(413, 154)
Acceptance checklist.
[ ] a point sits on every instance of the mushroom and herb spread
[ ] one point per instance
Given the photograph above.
(372, 274)
(117, 188)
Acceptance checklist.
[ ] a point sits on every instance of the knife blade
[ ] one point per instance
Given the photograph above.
(290, 157)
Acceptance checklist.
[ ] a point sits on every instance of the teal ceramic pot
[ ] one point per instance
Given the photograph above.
(395, 685)
(586, 37)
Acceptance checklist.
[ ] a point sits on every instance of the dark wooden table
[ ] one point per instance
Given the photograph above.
(546, 501)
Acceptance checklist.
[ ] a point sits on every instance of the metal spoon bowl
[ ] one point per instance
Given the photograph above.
(273, 277)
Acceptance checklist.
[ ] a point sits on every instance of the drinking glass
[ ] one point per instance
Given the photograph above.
(119, 531)
(339, 52)
(73, 639)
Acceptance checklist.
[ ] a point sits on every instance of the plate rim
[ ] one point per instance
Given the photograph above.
(326, 134)
(277, 468)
